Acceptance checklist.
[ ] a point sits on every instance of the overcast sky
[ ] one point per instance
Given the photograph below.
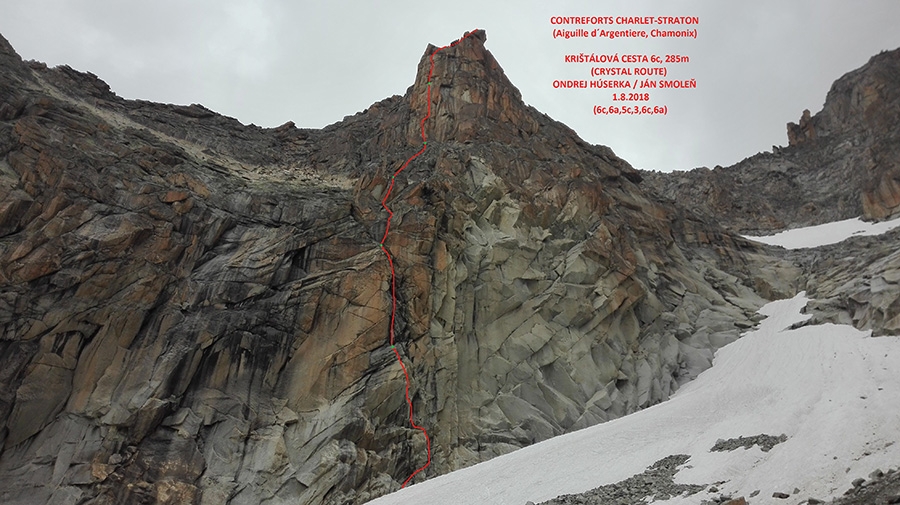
(757, 64)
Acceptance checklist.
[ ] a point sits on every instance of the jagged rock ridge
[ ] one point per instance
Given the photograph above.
(840, 163)
(194, 311)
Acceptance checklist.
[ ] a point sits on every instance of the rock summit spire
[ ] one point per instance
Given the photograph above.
(469, 90)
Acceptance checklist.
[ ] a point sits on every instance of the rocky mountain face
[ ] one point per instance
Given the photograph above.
(854, 283)
(840, 163)
(843, 162)
(196, 311)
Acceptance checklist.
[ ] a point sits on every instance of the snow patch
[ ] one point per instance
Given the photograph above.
(826, 234)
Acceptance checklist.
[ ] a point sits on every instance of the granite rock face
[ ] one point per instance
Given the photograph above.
(855, 283)
(195, 311)
(840, 163)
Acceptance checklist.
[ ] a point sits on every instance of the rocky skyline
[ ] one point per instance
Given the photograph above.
(269, 62)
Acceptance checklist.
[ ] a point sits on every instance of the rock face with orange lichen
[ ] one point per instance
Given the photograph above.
(195, 311)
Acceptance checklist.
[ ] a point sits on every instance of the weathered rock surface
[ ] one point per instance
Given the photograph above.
(194, 311)
(842, 162)
(856, 282)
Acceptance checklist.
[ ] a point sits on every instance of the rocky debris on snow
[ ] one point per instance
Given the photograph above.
(657, 482)
(765, 442)
(725, 500)
(881, 488)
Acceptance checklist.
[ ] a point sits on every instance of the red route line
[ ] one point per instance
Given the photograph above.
(391, 261)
